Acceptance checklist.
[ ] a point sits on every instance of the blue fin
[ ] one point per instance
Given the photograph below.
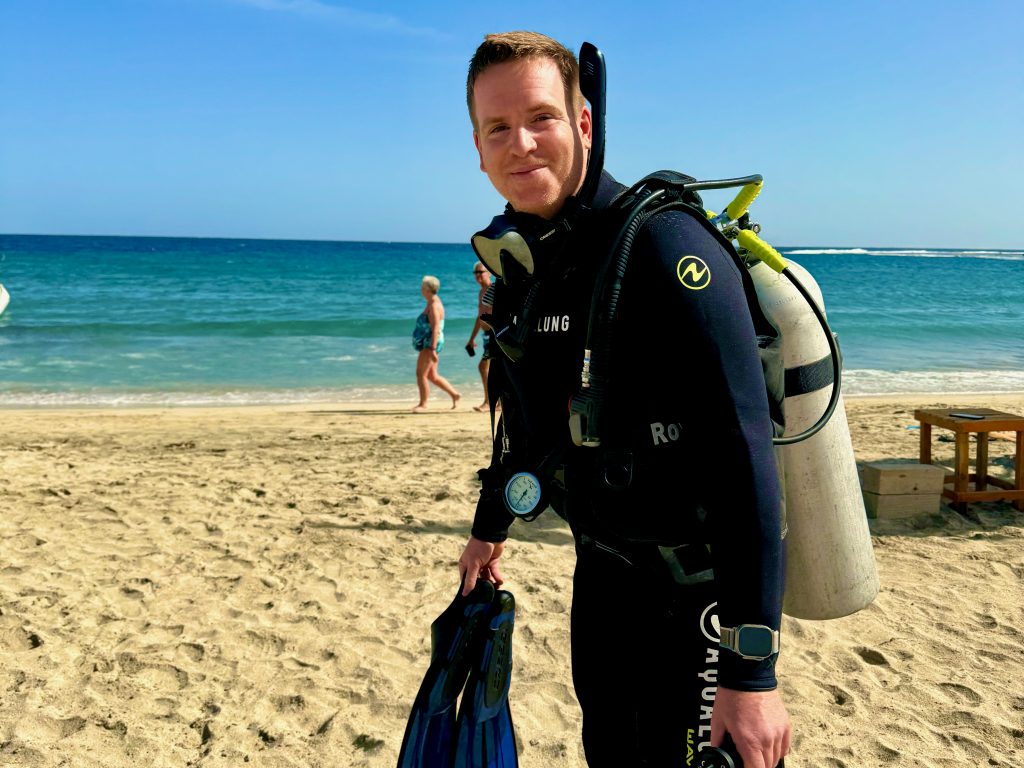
(455, 636)
(485, 736)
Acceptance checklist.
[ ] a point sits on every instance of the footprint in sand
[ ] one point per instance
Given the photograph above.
(193, 651)
(52, 728)
(986, 621)
(154, 677)
(265, 643)
(19, 639)
(960, 694)
(885, 753)
(871, 656)
(289, 703)
(840, 696)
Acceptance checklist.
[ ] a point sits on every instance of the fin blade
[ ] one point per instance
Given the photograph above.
(485, 735)
(430, 734)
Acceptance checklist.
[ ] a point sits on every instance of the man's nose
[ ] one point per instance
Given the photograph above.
(523, 141)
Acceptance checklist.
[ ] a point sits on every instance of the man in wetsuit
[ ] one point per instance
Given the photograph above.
(685, 483)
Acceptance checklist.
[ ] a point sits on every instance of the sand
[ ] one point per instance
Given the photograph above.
(254, 586)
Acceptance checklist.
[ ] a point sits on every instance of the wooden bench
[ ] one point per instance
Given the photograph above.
(961, 479)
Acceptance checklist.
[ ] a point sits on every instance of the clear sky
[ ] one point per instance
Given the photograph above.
(874, 123)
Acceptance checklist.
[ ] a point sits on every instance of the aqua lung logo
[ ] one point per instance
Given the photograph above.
(693, 273)
(712, 630)
(709, 624)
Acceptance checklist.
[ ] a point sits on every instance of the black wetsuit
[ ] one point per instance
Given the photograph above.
(687, 450)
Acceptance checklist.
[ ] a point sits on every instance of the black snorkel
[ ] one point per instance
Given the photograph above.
(518, 248)
(593, 85)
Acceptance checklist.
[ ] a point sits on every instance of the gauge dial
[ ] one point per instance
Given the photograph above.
(522, 494)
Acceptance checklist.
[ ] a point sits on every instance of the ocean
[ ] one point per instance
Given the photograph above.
(115, 321)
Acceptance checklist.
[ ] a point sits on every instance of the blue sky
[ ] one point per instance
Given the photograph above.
(873, 123)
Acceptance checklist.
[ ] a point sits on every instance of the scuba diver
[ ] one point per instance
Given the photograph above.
(676, 516)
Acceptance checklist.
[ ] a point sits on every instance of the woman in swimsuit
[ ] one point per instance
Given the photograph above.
(428, 339)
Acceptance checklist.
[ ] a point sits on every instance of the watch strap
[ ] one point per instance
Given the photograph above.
(730, 639)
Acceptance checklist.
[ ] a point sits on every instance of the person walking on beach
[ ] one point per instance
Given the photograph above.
(677, 592)
(483, 279)
(428, 339)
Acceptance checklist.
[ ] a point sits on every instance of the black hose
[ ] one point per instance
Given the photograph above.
(837, 367)
(622, 246)
(602, 317)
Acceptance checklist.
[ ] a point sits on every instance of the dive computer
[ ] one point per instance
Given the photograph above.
(751, 641)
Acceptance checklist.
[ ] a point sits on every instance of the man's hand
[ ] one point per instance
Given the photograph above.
(758, 723)
(480, 560)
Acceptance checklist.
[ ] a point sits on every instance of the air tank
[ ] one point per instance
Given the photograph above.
(830, 564)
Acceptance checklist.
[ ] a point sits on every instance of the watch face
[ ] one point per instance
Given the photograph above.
(522, 494)
(755, 641)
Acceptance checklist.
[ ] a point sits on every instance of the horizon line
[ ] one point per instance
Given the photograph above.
(449, 242)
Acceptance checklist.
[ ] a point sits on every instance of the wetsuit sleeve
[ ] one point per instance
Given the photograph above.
(703, 307)
(492, 520)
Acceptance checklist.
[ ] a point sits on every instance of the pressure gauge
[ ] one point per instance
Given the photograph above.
(523, 495)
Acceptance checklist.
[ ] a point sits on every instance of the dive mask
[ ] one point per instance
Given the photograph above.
(514, 245)
(520, 248)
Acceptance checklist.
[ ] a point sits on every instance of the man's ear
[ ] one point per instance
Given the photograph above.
(476, 143)
(586, 123)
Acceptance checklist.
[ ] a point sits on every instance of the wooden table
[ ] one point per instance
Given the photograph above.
(962, 477)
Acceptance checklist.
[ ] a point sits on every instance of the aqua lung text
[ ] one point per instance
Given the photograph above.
(709, 628)
(553, 324)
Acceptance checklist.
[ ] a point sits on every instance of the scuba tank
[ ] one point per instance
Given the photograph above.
(830, 570)
(830, 565)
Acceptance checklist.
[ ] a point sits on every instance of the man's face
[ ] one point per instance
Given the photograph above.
(483, 277)
(532, 144)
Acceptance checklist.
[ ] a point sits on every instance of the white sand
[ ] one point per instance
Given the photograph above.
(254, 586)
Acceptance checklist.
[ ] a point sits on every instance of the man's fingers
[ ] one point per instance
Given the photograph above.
(496, 575)
(717, 732)
(781, 749)
(785, 745)
(752, 757)
(479, 559)
(469, 582)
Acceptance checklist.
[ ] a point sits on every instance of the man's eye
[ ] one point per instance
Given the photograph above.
(498, 129)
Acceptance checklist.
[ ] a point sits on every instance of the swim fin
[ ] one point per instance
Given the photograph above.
(455, 637)
(485, 736)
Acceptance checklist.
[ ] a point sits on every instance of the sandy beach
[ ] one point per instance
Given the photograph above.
(254, 586)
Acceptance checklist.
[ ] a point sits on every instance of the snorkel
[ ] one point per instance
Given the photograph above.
(593, 85)
(518, 248)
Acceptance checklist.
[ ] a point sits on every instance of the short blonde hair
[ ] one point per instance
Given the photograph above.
(432, 283)
(520, 45)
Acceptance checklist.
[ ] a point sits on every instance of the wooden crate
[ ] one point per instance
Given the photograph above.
(901, 490)
(890, 505)
(886, 478)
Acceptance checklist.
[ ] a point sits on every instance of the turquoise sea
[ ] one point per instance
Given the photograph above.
(154, 321)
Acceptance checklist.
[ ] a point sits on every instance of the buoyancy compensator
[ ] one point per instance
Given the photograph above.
(830, 563)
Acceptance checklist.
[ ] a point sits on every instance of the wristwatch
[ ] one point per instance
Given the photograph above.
(751, 641)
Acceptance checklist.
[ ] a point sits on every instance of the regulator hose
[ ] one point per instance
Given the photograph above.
(837, 367)
(602, 318)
